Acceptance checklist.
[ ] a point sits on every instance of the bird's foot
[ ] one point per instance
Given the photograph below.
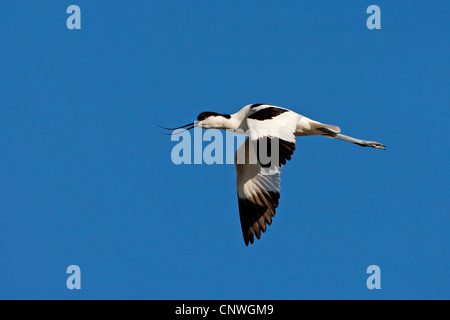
(376, 145)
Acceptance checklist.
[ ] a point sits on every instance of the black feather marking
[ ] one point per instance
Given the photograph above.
(207, 114)
(267, 113)
(250, 214)
(285, 151)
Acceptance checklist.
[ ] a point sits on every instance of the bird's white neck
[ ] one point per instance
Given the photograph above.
(226, 122)
(237, 120)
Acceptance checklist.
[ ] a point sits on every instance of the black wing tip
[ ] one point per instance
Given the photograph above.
(250, 239)
(251, 214)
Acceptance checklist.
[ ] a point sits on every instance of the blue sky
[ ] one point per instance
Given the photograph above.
(87, 178)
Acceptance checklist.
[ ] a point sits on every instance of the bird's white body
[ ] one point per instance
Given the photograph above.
(258, 182)
(238, 121)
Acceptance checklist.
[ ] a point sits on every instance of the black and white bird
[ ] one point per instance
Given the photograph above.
(259, 190)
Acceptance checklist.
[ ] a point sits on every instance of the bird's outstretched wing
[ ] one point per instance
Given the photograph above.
(258, 184)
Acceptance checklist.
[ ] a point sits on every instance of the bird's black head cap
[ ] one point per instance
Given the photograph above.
(207, 114)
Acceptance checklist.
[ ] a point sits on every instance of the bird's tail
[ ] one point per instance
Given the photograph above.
(327, 130)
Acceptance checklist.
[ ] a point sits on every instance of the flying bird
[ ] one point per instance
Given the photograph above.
(258, 182)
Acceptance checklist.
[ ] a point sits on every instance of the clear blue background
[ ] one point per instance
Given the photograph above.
(87, 178)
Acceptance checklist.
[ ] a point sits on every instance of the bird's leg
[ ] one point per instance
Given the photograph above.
(359, 142)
